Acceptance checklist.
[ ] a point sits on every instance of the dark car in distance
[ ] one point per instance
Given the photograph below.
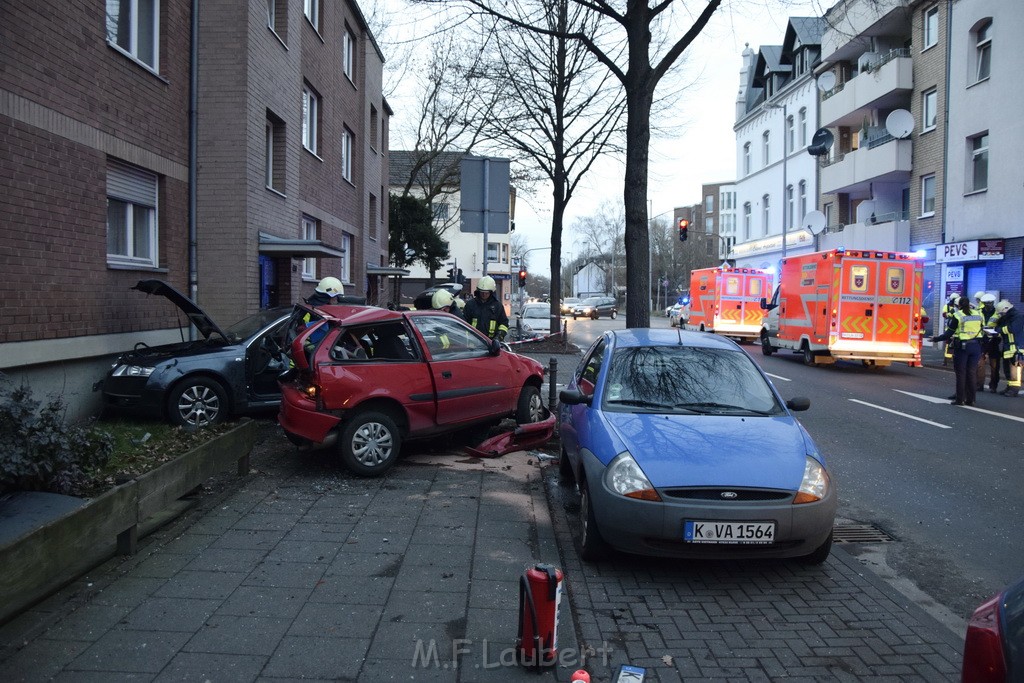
(595, 306)
(204, 381)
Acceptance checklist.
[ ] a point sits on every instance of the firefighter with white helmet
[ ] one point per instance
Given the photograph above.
(1011, 330)
(990, 346)
(327, 289)
(948, 311)
(485, 312)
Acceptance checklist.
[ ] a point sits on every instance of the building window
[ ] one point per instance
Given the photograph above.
(931, 26)
(765, 148)
(709, 225)
(311, 8)
(827, 210)
(746, 221)
(439, 210)
(374, 128)
(310, 118)
(346, 154)
(983, 50)
(348, 54)
(133, 26)
(746, 159)
(310, 231)
(131, 215)
(709, 203)
(791, 132)
(979, 163)
(373, 216)
(275, 143)
(929, 103)
(928, 195)
(803, 126)
(790, 207)
(803, 200)
(492, 252)
(346, 258)
(765, 215)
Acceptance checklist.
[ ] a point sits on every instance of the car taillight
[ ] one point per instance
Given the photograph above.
(984, 659)
(311, 391)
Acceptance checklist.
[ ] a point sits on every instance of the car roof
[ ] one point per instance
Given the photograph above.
(650, 336)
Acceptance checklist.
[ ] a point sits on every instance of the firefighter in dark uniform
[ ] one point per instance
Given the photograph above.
(485, 312)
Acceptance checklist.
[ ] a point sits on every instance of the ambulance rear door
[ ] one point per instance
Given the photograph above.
(876, 300)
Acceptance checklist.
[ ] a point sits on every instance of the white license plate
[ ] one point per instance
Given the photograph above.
(695, 531)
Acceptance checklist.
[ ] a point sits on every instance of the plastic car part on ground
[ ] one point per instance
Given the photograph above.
(524, 436)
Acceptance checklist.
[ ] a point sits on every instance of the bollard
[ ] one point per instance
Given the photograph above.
(552, 381)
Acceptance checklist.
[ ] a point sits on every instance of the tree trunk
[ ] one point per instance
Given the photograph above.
(637, 239)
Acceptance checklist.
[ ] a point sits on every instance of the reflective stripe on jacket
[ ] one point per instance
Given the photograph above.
(968, 327)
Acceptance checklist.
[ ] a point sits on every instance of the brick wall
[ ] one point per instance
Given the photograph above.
(929, 67)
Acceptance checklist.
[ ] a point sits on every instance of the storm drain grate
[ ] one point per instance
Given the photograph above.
(859, 533)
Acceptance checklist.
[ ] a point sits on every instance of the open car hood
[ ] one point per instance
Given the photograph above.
(195, 315)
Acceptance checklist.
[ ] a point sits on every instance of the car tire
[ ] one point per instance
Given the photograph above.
(808, 355)
(530, 407)
(766, 346)
(820, 553)
(593, 547)
(369, 444)
(613, 314)
(197, 402)
(565, 469)
(595, 315)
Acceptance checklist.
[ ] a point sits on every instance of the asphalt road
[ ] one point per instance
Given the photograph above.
(942, 481)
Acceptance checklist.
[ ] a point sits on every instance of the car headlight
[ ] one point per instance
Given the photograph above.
(815, 485)
(625, 478)
(132, 371)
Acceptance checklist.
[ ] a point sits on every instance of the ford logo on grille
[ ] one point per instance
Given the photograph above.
(730, 495)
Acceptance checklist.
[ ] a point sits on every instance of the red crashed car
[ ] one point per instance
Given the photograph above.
(366, 379)
(994, 644)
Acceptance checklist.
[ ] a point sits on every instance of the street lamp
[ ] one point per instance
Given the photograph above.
(785, 200)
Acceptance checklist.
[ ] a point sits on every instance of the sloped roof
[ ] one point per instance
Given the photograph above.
(429, 165)
(800, 32)
(769, 60)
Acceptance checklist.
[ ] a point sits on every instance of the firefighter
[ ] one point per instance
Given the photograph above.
(443, 300)
(991, 352)
(329, 289)
(947, 314)
(965, 332)
(978, 296)
(485, 312)
(1011, 331)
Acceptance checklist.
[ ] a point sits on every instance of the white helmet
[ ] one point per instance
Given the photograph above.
(954, 298)
(331, 286)
(1003, 306)
(988, 299)
(978, 295)
(486, 284)
(442, 299)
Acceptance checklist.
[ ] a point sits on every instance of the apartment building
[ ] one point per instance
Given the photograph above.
(776, 115)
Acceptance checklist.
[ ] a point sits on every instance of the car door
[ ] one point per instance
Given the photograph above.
(470, 382)
(575, 424)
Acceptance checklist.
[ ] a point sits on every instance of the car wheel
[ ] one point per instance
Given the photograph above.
(530, 407)
(613, 314)
(595, 315)
(807, 354)
(766, 345)
(593, 547)
(370, 444)
(565, 468)
(197, 402)
(820, 553)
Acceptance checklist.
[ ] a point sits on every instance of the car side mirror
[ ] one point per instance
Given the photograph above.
(574, 397)
(798, 403)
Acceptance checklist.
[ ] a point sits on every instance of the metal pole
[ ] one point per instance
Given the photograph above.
(785, 188)
(487, 182)
(552, 382)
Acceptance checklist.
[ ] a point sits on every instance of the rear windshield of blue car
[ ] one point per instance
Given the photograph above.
(687, 379)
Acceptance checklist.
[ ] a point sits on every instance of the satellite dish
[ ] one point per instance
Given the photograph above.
(814, 221)
(826, 81)
(821, 141)
(899, 123)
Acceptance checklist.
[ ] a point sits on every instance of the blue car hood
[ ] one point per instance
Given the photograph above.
(714, 450)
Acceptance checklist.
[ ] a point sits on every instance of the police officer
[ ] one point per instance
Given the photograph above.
(485, 312)
(964, 328)
(1011, 330)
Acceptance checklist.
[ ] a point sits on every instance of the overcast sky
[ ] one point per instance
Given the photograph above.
(704, 150)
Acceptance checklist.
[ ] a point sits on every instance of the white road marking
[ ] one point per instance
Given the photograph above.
(923, 397)
(784, 379)
(932, 399)
(896, 412)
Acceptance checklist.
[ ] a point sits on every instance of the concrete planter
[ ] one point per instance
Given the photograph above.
(46, 558)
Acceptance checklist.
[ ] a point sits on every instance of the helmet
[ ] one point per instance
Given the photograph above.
(1003, 306)
(331, 286)
(988, 299)
(978, 295)
(954, 298)
(486, 284)
(441, 299)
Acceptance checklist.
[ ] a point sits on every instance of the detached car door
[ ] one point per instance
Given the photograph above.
(471, 383)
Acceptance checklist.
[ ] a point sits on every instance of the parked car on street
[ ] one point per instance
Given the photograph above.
(535, 319)
(994, 643)
(681, 447)
(367, 379)
(594, 307)
(677, 315)
(568, 304)
(205, 381)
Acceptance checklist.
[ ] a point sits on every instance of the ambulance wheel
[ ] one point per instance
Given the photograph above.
(593, 547)
(808, 354)
(766, 345)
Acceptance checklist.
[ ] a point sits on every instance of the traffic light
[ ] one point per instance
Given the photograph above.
(683, 226)
(451, 275)
(522, 277)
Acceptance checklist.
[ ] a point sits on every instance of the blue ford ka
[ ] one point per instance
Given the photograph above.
(681, 447)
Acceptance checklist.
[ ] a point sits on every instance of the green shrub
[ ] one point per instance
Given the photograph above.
(39, 451)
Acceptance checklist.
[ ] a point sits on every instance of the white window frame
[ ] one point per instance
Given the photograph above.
(803, 126)
(269, 149)
(747, 213)
(347, 140)
(979, 160)
(766, 147)
(151, 62)
(746, 159)
(346, 258)
(930, 27)
(803, 199)
(928, 195)
(311, 8)
(272, 15)
(348, 54)
(310, 231)
(983, 51)
(141, 197)
(791, 131)
(310, 118)
(929, 109)
(709, 203)
(766, 214)
(790, 204)
(493, 252)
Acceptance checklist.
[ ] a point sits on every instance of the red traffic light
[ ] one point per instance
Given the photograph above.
(684, 224)
(522, 277)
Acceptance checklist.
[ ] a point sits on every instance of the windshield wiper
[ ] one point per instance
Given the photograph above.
(639, 403)
(702, 405)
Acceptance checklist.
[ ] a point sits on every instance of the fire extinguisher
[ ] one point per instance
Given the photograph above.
(540, 592)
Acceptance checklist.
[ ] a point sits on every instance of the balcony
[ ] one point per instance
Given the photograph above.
(888, 233)
(884, 83)
(884, 159)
